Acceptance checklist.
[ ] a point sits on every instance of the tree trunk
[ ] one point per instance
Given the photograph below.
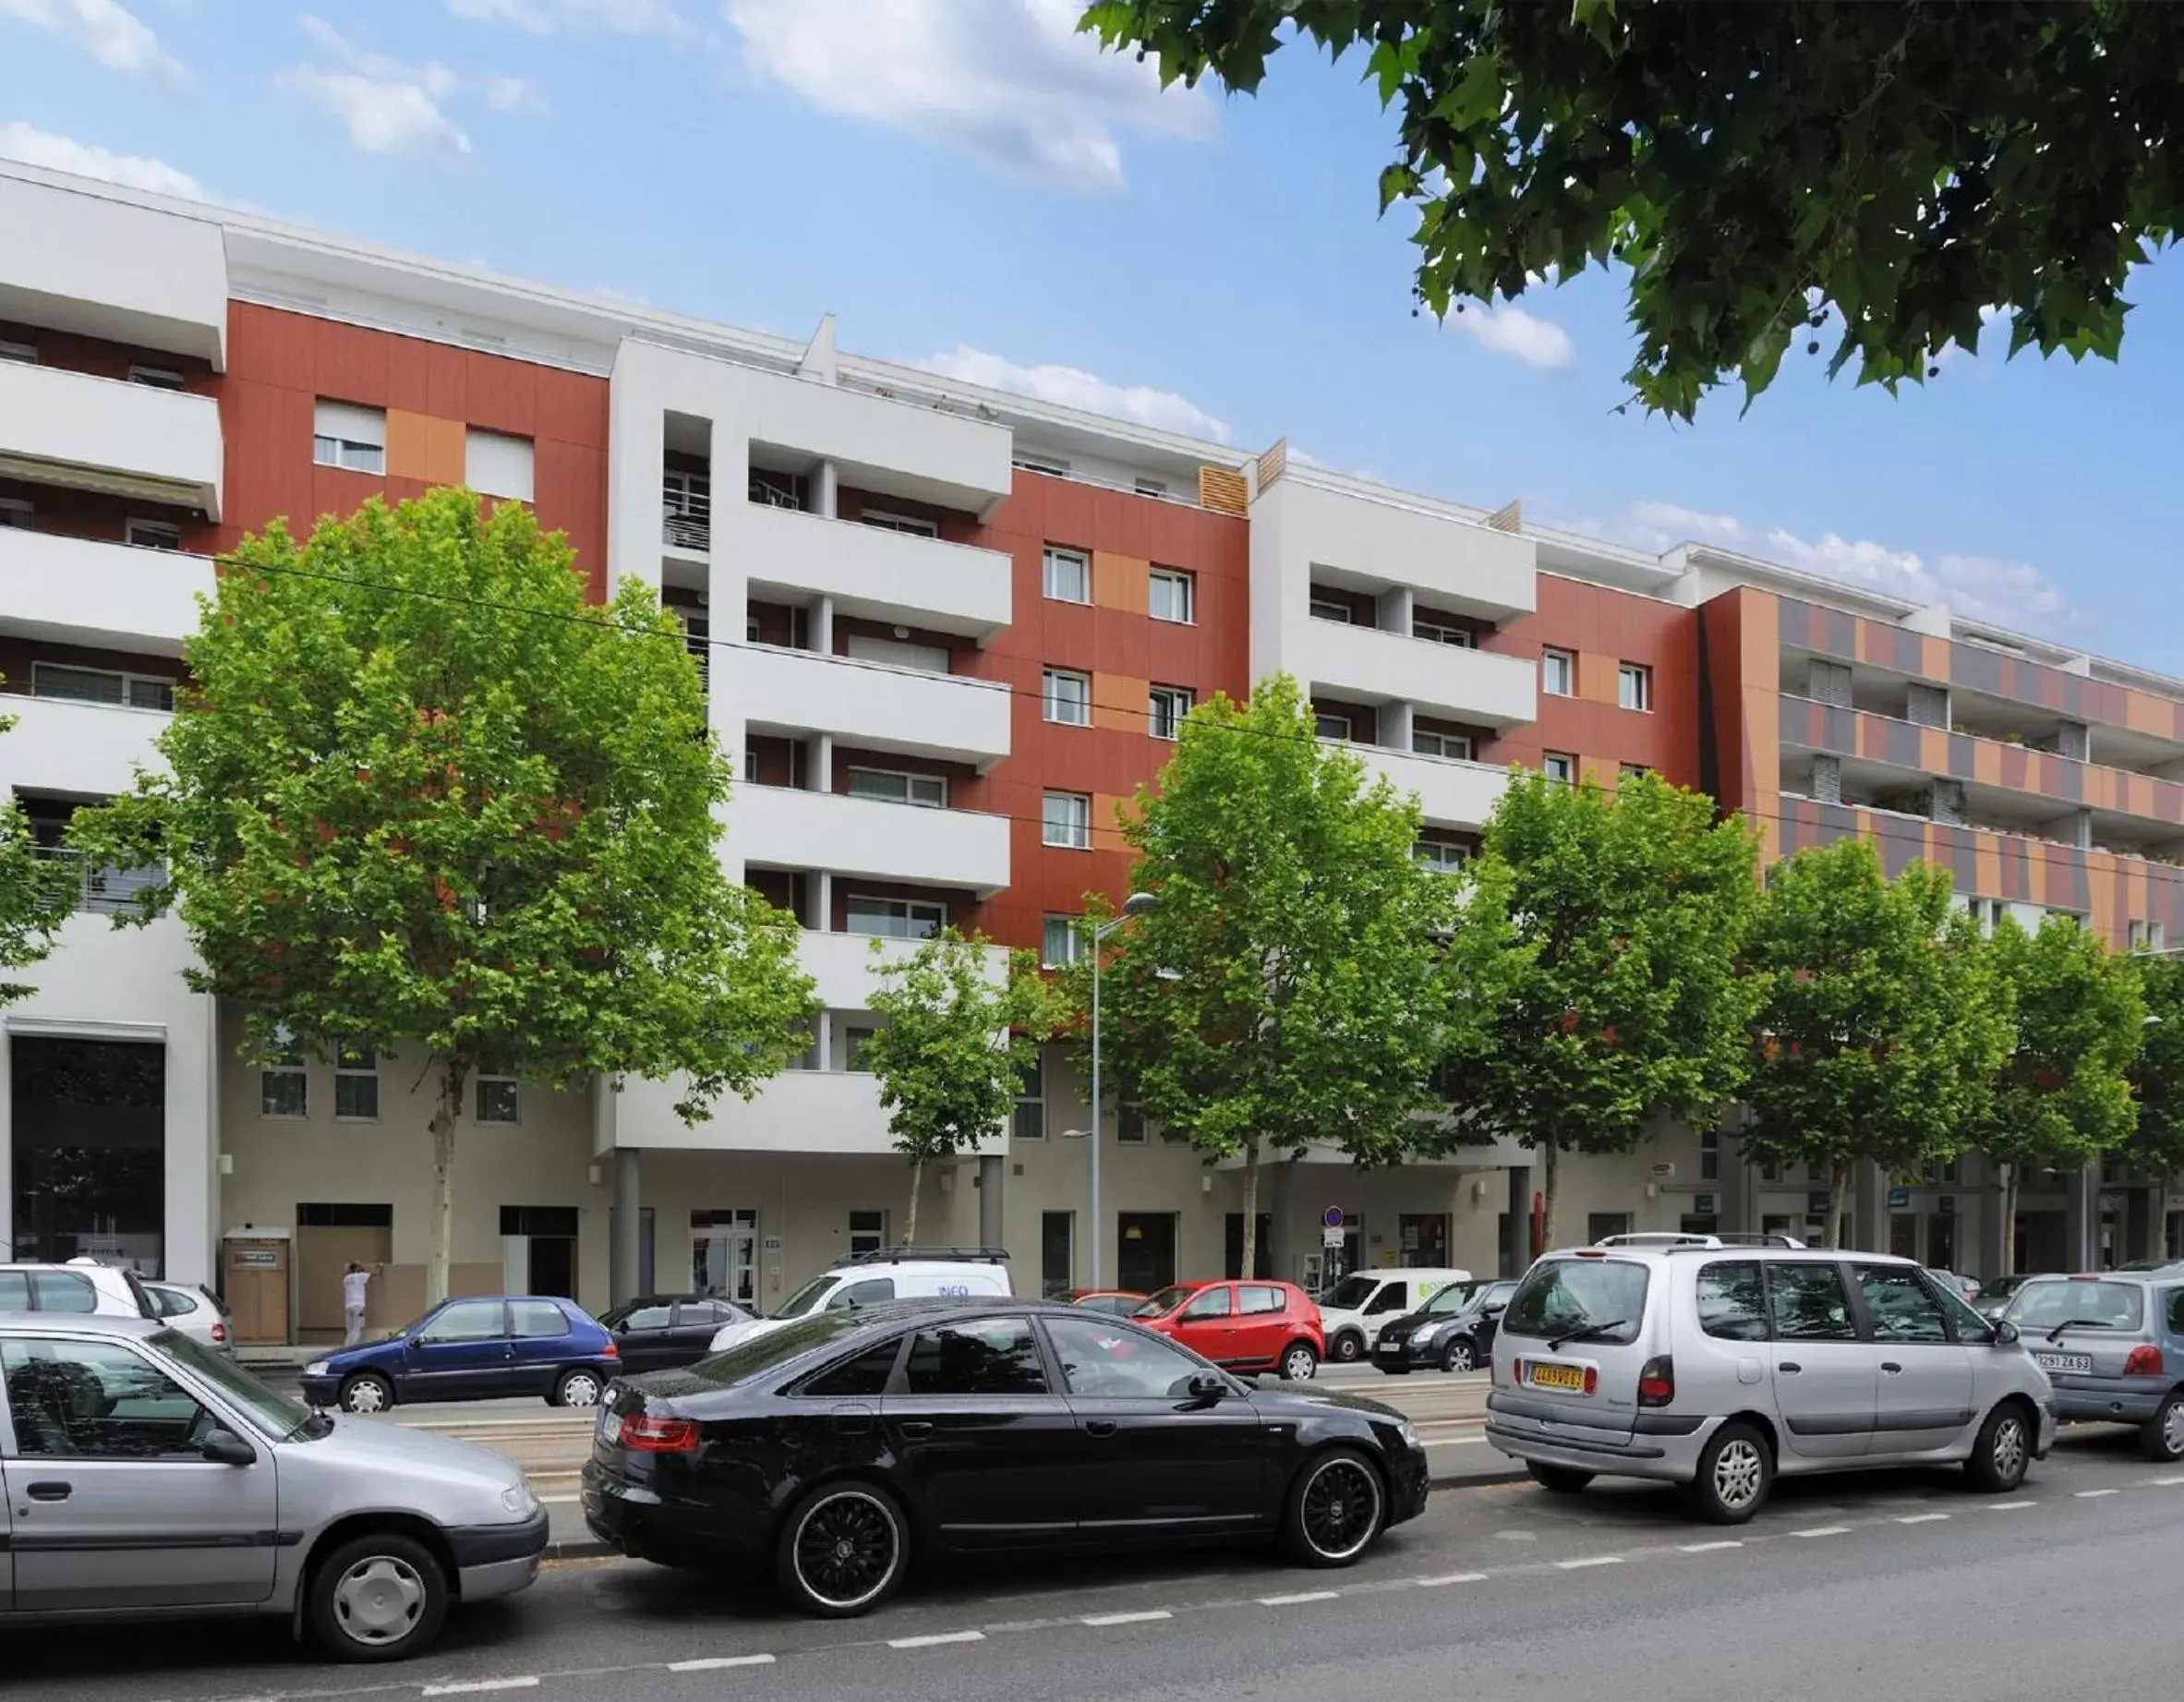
(1250, 1208)
(1840, 1176)
(2009, 1266)
(1550, 1153)
(444, 1118)
(917, 1183)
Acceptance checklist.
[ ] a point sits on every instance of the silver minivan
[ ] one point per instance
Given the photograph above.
(145, 1474)
(1716, 1368)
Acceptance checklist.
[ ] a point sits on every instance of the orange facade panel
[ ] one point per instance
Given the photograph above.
(1120, 581)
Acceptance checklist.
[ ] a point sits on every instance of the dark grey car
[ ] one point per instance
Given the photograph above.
(1453, 1331)
(2113, 1346)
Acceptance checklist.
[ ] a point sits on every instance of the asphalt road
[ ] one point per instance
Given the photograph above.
(1907, 1585)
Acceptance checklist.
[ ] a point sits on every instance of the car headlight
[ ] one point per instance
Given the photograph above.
(318, 1368)
(1409, 1433)
(519, 1500)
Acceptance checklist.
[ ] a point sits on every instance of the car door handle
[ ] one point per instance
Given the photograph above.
(915, 1427)
(50, 1491)
(1890, 1367)
(1099, 1426)
(1791, 1366)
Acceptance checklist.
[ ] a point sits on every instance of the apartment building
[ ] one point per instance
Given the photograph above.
(945, 631)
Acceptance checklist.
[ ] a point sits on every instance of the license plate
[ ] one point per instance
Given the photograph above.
(610, 1428)
(2064, 1361)
(1554, 1376)
(1390, 1348)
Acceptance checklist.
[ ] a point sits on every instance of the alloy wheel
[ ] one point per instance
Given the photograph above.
(846, 1552)
(2172, 1428)
(1738, 1473)
(2009, 1449)
(1341, 1508)
(1456, 1357)
(379, 1600)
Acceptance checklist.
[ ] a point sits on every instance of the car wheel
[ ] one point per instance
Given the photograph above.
(1300, 1361)
(1336, 1507)
(1558, 1480)
(842, 1551)
(2002, 1451)
(576, 1388)
(367, 1391)
(379, 1596)
(1736, 1469)
(1458, 1355)
(2162, 1436)
(1349, 1347)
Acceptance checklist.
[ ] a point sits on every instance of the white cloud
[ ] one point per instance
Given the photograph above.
(389, 106)
(546, 16)
(107, 30)
(512, 94)
(1506, 330)
(1010, 82)
(1069, 387)
(62, 153)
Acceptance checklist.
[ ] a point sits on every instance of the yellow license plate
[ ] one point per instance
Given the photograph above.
(1556, 1377)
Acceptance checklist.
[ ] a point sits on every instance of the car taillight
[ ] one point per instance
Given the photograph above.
(1657, 1381)
(1592, 1378)
(609, 1352)
(2144, 1361)
(220, 1332)
(645, 1434)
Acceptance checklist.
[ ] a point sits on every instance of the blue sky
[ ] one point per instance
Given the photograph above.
(964, 182)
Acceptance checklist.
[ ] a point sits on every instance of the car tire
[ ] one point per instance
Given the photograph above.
(1558, 1480)
(1459, 1355)
(1299, 1361)
(1736, 1471)
(1336, 1508)
(379, 1597)
(2161, 1438)
(1348, 1347)
(2002, 1452)
(366, 1393)
(578, 1386)
(842, 1551)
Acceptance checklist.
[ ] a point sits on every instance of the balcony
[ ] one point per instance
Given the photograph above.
(1375, 541)
(777, 826)
(1369, 666)
(106, 891)
(76, 750)
(841, 964)
(874, 571)
(799, 1111)
(1450, 793)
(114, 596)
(61, 427)
(949, 717)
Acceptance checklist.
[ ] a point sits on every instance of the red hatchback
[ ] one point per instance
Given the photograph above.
(1254, 1326)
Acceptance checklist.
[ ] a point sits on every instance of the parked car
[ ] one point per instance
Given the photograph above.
(1115, 1302)
(195, 1310)
(1031, 1425)
(1248, 1327)
(1453, 1331)
(1994, 1292)
(474, 1349)
(661, 1330)
(877, 1278)
(1353, 1311)
(80, 1285)
(154, 1475)
(2114, 1346)
(1718, 1368)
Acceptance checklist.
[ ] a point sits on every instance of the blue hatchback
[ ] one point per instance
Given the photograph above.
(477, 1348)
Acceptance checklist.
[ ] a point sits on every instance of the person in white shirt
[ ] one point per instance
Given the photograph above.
(355, 1281)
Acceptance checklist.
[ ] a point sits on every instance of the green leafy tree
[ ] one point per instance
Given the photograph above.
(1629, 908)
(421, 793)
(955, 1045)
(2062, 1096)
(1764, 174)
(1289, 986)
(1881, 1023)
(36, 893)
(2156, 1145)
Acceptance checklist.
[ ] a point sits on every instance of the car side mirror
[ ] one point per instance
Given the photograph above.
(2005, 1332)
(1494, 1311)
(223, 1447)
(1208, 1386)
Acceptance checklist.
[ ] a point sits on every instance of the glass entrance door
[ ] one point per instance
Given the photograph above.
(724, 1255)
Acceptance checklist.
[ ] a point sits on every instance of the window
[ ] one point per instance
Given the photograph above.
(1329, 725)
(465, 1321)
(354, 438)
(749, 765)
(1170, 705)
(1172, 596)
(15, 514)
(2175, 1305)
(2053, 1302)
(1630, 771)
(99, 685)
(158, 378)
(1069, 697)
(1327, 608)
(854, 1041)
(496, 464)
(1599, 1225)
(1442, 633)
(284, 1087)
(2146, 935)
(1215, 1302)
(928, 792)
(355, 1084)
(1061, 942)
(1066, 820)
(1558, 673)
(97, 1400)
(1030, 1100)
(499, 1099)
(1031, 461)
(910, 525)
(23, 354)
(1558, 1294)
(1067, 576)
(868, 1232)
(1807, 1303)
(1710, 1155)
(1260, 1299)
(1559, 766)
(1988, 913)
(1119, 1364)
(1899, 1305)
(1058, 1254)
(152, 535)
(993, 1356)
(686, 508)
(895, 653)
(646, 1318)
(896, 918)
(62, 1291)
(1732, 1300)
(536, 1319)
(1441, 854)
(1151, 487)
(1633, 686)
(871, 1291)
(1429, 743)
(1393, 1297)
(861, 1376)
(772, 490)
(1130, 1127)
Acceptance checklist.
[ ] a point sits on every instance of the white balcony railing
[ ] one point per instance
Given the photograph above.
(1451, 794)
(875, 571)
(88, 433)
(950, 717)
(115, 597)
(72, 748)
(778, 827)
(1482, 687)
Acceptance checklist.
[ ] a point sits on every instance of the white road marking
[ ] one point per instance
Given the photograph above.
(938, 1638)
(1822, 1530)
(1299, 1598)
(1450, 1578)
(1922, 1518)
(1128, 1619)
(1708, 1548)
(2095, 1494)
(2011, 1507)
(478, 1686)
(1453, 1442)
(1593, 1560)
(2168, 1483)
(717, 1663)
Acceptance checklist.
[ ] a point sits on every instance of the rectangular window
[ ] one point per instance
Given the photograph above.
(1732, 1300)
(1441, 854)
(910, 525)
(1456, 745)
(1331, 726)
(896, 918)
(1633, 686)
(988, 1356)
(1710, 1155)
(2146, 935)
(1326, 608)
(1807, 1303)
(283, 1087)
(152, 535)
(868, 1232)
(1061, 942)
(897, 653)
(1559, 766)
(749, 765)
(499, 1099)
(99, 685)
(23, 354)
(1030, 1100)
(158, 378)
(1630, 771)
(686, 508)
(1056, 1254)
(1558, 673)
(496, 464)
(1170, 705)
(1442, 633)
(345, 436)
(1067, 576)
(1130, 1129)
(1172, 594)
(15, 512)
(928, 792)
(1065, 819)
(1069, 697)
(772, 490)
(1151, 487)
(1031, 461)
(356, 1084)
(855, 1040)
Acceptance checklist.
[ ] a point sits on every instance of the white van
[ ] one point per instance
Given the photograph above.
(1353, 1311)
(873, 1279)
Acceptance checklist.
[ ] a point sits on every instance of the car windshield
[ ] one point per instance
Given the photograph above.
(1605, 1298)
(266, 1407)
(1454, 1299)
(2090, 1305)
(1349, 1293)
(761, 1354)
(804, 1298)
(1160, 1305)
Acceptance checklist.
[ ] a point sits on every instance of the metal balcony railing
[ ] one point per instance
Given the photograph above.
(107, 890)
(686, 510)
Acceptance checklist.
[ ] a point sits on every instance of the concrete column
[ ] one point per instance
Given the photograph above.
(1991, 1236)
(1516, 1246)
(1394, 730)
(825, 491)
(822, 629)
(1393, 610)
(628, 1225)
(1869, 1216)
(822, 920)
(1280, 1181)
(990, 1185)
(819, 776)
(2082, 1230)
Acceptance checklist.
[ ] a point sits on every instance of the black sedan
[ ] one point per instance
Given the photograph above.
(835, 1448)
(661, 1331)
(1453, 1331)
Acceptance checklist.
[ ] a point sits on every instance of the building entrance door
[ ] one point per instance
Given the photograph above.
(724, 1255)
(1145, 1251)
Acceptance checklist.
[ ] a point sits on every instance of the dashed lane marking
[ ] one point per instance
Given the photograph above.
(1450, 1578)
(1707, 1547)
(719, 1663)
(478, 1686)
(1590, 1559)
(2168, 1483)
(1146, 1617)
(1822, 1530)
(1922, 1518)
(2011, 1507)
(1299, 1598)
(934, 1639)
(2095, 1495)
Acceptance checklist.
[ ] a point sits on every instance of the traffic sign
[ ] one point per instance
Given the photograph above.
(1331, 1217)
(1331, 1236)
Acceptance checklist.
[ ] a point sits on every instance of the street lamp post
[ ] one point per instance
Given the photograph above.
(1137, 904)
